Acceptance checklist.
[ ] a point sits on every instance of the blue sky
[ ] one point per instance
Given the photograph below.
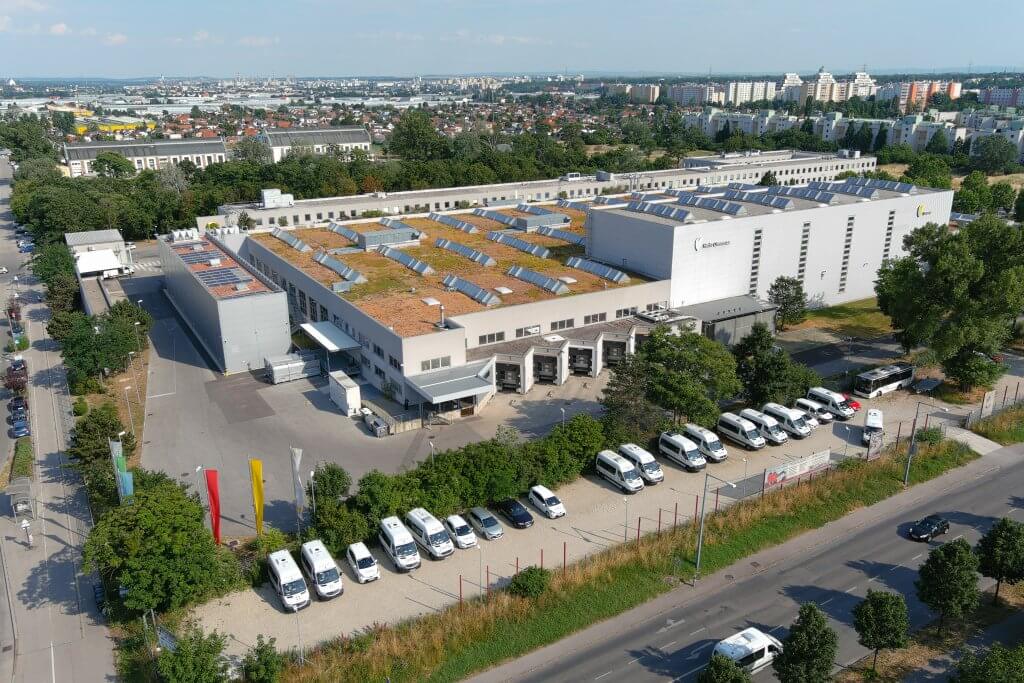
(84, 38)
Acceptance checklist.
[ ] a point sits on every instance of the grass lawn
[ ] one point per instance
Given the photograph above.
(1007, 427)
(464, 639)
(21, 463)
(860, 319)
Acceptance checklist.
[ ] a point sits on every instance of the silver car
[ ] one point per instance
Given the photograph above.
(485, 524)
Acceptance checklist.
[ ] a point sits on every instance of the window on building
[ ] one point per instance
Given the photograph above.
(393, 362)
(313, 310)
(492, 338)
(626, 312)
(323, 312)
(566, 324)
(594, 318)
(435, 363)
(527, 331)
(378, 350)
(302, 301)
(380, 373)
(319, 216)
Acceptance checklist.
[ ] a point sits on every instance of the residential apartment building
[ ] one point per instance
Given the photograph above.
(914, 95)
(741, 92)
(80, 157)
(689, 94)
(1002, 97)
(645, 93)
(792, 86)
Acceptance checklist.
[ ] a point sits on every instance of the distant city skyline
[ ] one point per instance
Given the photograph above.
(118, 39)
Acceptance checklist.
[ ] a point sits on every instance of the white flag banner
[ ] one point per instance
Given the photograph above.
(300, 493)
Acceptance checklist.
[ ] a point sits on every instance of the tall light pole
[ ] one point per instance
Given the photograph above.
(135, 379)
(199, 490)
(430, 442)
(625, 526)
(138, 340)
(128, 405)
(704, 502)
(563, 416)
(913, 438)
(312, 490)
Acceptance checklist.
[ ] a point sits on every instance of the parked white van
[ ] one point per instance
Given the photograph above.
(814, 409)
(287, 580)
(767, 425)
(398, 544)
(677, 447)
(707, 442)
(740, 430)
(644, 462)
(618, 471)
(429, 533)
(872, 424)
(750, 649)
(835, 403)
(790, 420)
(321, 569)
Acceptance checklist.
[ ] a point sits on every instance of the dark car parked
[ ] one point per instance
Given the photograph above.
(20, 429)
(516, 513)
(17, 403)
(928, 528)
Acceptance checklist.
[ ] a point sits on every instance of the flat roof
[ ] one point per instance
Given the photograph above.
(329, 336)
(78, 151)
(217, 270)
(453, 383)
(280, 137)
(394, 295)
(726, 309)
(82, 239)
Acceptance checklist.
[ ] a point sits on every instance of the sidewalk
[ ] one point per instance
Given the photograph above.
(1008, 633)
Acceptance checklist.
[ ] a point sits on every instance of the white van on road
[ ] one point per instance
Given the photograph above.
(707, 442)
(814, 409)
(834, 402)
(741, 431)
(684, 452)
(767, 425)
(398, 545)
(321, 569)
(429, 533)
(618, 471)
(750, 649)
(790, 420)
(287, 580)
(644, 462)
(873, 424)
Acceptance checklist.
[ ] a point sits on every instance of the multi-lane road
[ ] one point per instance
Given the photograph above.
(671, 637)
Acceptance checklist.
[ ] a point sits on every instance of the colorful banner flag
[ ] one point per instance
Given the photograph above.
(126, 485)
(256, 474)
(214, 498)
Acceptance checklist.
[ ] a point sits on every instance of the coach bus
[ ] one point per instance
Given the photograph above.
(883, 380)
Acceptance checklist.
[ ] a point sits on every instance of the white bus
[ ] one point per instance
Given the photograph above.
(883, 380)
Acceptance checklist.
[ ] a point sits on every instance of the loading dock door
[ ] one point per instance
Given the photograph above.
(545, 369)
(614, 352)
(509, 376)
(581, 361)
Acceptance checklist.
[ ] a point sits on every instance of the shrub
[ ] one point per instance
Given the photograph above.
(930, 435)
(253, 557)
(198, 657)
(22, 344)
(24, 458)
(262, 663)
(80, 407)
(532, 582)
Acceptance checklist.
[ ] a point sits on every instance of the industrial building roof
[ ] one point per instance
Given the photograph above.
(452, 383)
(84, 239)
(79, 151)
(308, 137)
(216, 270)
(408, 302)
(726, 309)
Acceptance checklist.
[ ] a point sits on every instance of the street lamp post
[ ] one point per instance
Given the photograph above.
(913, 438)
(563, 416)
(312, 490)
(138, 340)
(199, 490)
(703, 502)
(625, 526)
(430, 442)
(135, 379)
(128, 405)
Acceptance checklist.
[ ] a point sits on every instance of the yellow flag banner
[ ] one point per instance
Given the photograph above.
(256, 474)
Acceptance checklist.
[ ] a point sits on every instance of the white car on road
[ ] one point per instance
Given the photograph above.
(460, 531)
(3, 270)
(546, 501)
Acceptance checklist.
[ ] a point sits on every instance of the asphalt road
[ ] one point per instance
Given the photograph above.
(671, 638)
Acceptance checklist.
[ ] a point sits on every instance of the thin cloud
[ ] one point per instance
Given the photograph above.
(88, 31)
(492, 39)
(60, 29)
(22, 6)
(203, 36)
(258, 41)
(5, 23)
(115, 39)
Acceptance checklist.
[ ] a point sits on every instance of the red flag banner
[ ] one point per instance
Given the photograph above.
(214, 498)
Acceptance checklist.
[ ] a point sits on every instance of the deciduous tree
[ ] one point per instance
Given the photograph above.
(881, 622)
(999, 665)
(1001, 553)
(198, 658)
(112, 165)
(721, 669)
(787, 293)
(948, 581)
(767, 372)
(809, 651)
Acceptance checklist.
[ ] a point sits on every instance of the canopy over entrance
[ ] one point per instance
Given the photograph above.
(329, 336)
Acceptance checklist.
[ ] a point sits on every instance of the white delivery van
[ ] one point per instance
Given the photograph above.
(767, 425)
(814, 409)
(751, 649)
(790, 420)
(677, 447)
(707, 442)
(287, 580)
(321, 569)
(429, 533)
(645, 463)
(834, 402)
(398, 545)
(872, 425)
(741, 431)
(618, 471)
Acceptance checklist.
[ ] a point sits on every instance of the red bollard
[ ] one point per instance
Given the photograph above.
(675, 516)
(659, 520)
(563, 556)
(1006, 390)
(696, 505)
(637, 529)
(460, 589)
(517, 564)
(899, 430)
(716, 498)
(542, 558)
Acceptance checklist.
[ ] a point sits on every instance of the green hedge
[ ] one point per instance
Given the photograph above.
(455, 480)
(24, 459)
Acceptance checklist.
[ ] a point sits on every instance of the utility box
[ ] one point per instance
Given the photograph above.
(345, 393)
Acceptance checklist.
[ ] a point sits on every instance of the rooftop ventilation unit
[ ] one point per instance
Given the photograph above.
(347, 233)
(478, 294)
(214, 262)
(887, 185)
(808, 193)
(350, 274)
(521, 245)
(462, 250)
(598, 269)
(534, 278)
(291, 240)
(465, 227)
(664, 210)
(762, 198)
(409, 262)
(564, 235)
(495, 216)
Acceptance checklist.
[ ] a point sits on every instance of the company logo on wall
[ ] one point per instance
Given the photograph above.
(922, 210)
(699, 243)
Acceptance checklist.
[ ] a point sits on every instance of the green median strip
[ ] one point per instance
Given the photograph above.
(1005, 428)
(479, 634)
(24, 458)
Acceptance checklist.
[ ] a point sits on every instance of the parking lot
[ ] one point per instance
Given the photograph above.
(598, 517)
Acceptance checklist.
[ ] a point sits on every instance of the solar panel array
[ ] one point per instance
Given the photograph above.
(216, 277)
(844, 188)
(564, 235)
(521, 245)
(664, 210)
(763, 198)
(710, 189)
(409, 262)
(579, 206)
(395, 224)
(598, 269)
(453, 223)
(534, 278)
(535, 210)
(743, 186)
(347, 233)
(495, 216)
(888, 185)
(808, 193)
(604, 201)
(192, 257)
(647, 196)
(712, 204)
(475, 292)
(462, 250)
(291, 240)
(347, 272)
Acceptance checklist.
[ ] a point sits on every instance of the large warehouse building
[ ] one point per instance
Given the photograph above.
(441, 311)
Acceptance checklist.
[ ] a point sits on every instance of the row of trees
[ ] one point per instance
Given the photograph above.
(976, 195)
(947, 584)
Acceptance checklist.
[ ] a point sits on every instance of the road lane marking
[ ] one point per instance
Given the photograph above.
(851, 589)
(825, 602)
(666, 645)
(632, 660)
(957, 537)
(702, 628)
(917, 556)
(602, 675)
(169, 393)
(702, 647)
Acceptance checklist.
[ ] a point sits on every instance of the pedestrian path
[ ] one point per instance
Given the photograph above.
(976, 442)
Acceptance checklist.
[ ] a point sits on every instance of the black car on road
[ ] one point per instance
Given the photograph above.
(17, 403)
(928, 528)
(516, 513)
